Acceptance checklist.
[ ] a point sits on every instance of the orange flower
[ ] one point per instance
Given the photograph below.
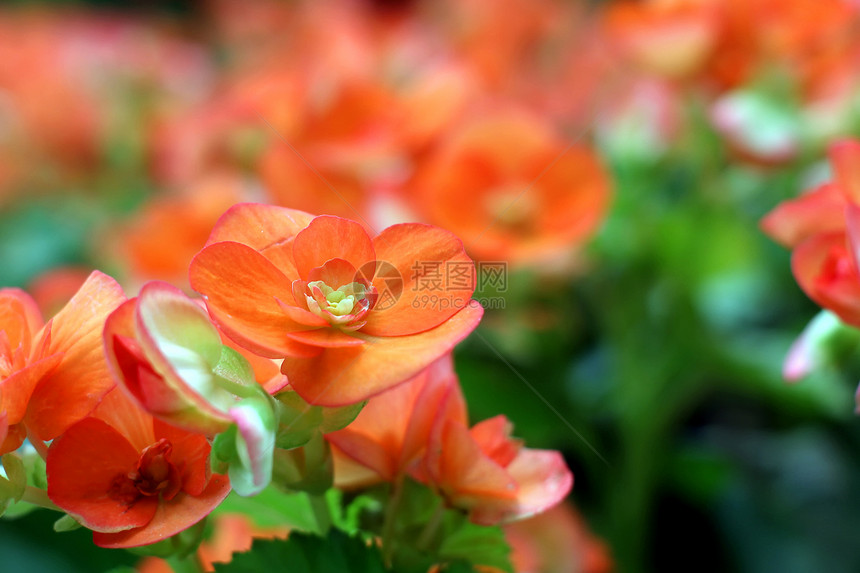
(351, 316)
(392, 431)
(671, 38)
(130, 478)
(557, 541)
(164, 236)
(513, 190)
(53, 375)
(485, 472)
(823, 228)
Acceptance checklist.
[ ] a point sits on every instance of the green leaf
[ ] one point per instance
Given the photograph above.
(307, 553)
(272, 507)
(335, 419)
(477, 544)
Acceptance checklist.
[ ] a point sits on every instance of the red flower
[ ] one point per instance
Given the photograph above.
(351, 316)
(130, 478)
(823, 228)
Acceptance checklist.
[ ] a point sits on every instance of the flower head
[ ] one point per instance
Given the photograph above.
(351, 316)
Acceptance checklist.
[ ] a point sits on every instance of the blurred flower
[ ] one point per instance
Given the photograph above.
(233, 533)
(823, 229)
(54, 374)
(165, 234)
(130, 478)
(513, 190)
(556, 541)
(669, 38)
(348, 314)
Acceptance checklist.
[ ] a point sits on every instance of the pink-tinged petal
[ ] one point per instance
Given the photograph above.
(86, 466)
(819, 211)
(170, 518)
(543, 480)
(825, 271)
(438, 279)
(77, 385)
(329, 237)
(164, 394)
(808, 350)
(465, 476)
(340, 376)
(335, 273)
(258, 226)
(166, 316)
(16, 390)
(845, 158)
(257, 425)
(493, 436)
(326, 338)
(242, 290)
(20, 318)
(393, 429)
(852, 224)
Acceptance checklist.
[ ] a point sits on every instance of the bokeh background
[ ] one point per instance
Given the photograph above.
(615, 157)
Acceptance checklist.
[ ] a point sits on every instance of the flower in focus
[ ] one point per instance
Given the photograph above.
(351, 316)
(54, 374)
(487, 473)
(514, 191)
(392, 431)
(167, 355)
(132, 479)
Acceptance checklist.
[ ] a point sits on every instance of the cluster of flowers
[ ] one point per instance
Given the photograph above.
(771, 80)
(148, 411)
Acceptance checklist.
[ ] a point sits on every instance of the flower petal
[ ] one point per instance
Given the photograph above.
(20, 318)
(259, 226)
(819, 211)
(242, 290)
(438, 279)
(326, 338)
(329, 237)
(170, 517)
(543, 480)
(340, 376)
(75, 387)
(83, 466)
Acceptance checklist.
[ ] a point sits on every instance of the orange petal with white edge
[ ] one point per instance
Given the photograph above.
(543, 480)
(438, 279)
(340, 376)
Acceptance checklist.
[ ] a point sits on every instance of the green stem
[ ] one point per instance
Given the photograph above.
(322, 512)
(237, 389)
(38, 497)
(191, 563)
(430, 529)
(390, 520)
